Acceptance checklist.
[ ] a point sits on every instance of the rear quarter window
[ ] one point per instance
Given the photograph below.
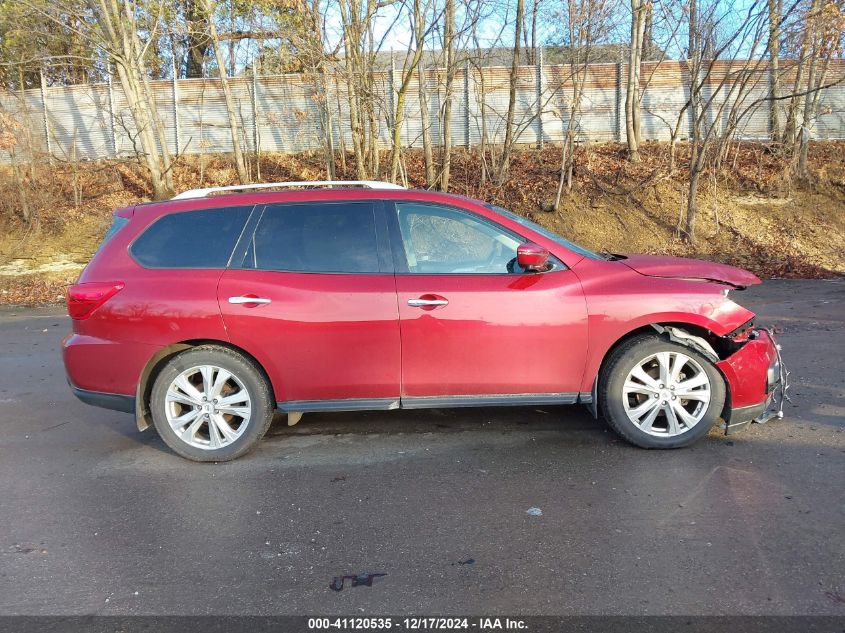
(118, 222)
(191, 239)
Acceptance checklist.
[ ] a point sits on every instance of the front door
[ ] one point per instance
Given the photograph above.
(324, 322)
(475, 327)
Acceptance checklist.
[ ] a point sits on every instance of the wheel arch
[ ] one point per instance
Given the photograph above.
(717, 342)
(143, 416)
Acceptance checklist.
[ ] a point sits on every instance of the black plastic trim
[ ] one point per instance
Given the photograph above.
(493, 400)
(428, 402)
(113, 401)
(351, 404)
(740, 417)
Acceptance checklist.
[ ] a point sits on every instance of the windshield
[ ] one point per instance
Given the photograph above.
(545, 232)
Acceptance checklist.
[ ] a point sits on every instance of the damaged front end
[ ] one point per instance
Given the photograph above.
(756, 376)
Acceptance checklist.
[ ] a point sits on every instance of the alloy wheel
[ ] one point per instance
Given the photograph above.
(208, 407)
(666, 394)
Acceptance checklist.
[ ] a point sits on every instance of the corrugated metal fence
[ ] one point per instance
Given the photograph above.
(281, 113)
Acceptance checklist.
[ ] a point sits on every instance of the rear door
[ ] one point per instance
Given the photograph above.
(475, 327)
(324, 322)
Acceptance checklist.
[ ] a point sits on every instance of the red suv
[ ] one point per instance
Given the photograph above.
(205, 314)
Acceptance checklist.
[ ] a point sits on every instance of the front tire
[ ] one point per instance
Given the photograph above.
(211, 404)
(658, 394)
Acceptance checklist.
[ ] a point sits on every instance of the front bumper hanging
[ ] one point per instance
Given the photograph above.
(754, 398)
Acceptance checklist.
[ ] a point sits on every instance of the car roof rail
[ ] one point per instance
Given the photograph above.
(367, 184)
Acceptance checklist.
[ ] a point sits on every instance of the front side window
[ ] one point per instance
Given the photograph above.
(191, 239)
(315, 237)
(444, 240)
(545, 232)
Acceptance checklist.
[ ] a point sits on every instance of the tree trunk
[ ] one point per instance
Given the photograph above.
(351, 43)
(514, 78)
(692, 206)
(790, 133)
(196, 39)
(26, 214)
(774, 71)
(399, 114)
(694, 64)
(446, 123)
(425, 120)
(632, 93)
(240, 163)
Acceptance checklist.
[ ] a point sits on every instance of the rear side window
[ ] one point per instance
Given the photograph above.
(316, 237)
(191, 239)
(118, 222)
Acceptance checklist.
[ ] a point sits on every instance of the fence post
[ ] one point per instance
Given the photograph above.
(176, 130)
(111, 114)
(46, 116)
(540, 92)
(619, 99)
(467, 102)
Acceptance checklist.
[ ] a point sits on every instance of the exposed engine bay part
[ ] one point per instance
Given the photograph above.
(682, 337)
(748, 325)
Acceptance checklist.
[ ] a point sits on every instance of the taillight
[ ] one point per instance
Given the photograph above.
(83, 299)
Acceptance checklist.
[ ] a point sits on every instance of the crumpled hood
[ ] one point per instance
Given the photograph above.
(683, 268)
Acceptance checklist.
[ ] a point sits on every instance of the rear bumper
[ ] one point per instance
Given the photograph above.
(102, 365)
(753, 375)
(113, 401)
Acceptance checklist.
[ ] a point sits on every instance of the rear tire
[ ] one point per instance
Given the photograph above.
(211, 404)
(658, 394)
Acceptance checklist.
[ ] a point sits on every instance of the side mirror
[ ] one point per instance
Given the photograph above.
(531, 256)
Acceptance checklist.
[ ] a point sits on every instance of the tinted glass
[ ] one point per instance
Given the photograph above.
(192, 239)
(118, 222)
(441, 240)
(317, 237)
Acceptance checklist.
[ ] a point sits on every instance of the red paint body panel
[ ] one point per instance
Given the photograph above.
(499, 334)
(105, 365)
(620, 301)
(323, 336)
(681, 267)
(341, 336)
(746, 370)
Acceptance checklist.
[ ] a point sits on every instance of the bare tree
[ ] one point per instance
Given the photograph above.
(586, 24)
(420, 32)
(514, 80)
(748, 34)
(360, 47)
(775, 10)
(824, 31)
(446, 120)
(240, 164)
(639, 12)
(118, 36)
(409, 69)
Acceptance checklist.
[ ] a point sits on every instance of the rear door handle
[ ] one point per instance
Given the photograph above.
(239, 300)
(419, 303)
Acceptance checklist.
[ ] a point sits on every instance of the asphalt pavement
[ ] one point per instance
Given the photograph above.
(538, 510)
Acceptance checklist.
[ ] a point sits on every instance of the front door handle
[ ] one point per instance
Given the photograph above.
(420, 303)
(240, 300)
